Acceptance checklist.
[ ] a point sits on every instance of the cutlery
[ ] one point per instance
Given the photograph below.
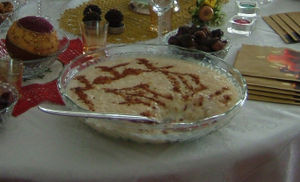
(129, 118)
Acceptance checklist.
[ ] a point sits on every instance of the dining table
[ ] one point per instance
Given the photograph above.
(260, 144)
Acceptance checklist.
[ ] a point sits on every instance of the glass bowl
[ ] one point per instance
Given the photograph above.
(36, 67)
(8, 98)
(221, 53)
(8, 17)
(163, 132)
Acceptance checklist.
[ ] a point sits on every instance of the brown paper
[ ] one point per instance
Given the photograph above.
(286, 28)
(269, 62)
(295, 16)
(290, 22)
(274, 95)
(272, 99)
(273, 84)
(272, 74)
(272, 90)
(284, 36)
(286, 25)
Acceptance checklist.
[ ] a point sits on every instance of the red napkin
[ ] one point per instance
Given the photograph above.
(75, 49)
(3, 51)
(34, 94)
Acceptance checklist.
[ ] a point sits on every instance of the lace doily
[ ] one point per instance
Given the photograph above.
(136, 25)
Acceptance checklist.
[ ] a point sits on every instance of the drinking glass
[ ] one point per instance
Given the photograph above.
(166, 18)
(11, 71)
(160, 7)
(263, 2)
(94, 35)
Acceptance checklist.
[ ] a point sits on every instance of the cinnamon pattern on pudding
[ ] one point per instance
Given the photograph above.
(158, 87)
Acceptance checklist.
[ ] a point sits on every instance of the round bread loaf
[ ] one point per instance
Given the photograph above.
(30, 38)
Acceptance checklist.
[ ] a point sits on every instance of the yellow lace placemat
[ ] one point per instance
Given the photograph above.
(136, 25)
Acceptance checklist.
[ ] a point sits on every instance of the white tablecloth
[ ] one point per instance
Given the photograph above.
(262, 143)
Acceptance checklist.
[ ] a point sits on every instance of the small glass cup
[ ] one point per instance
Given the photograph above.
(94, 35)
(11, 71)
(241, 25)
(247, 8)
(8, 98)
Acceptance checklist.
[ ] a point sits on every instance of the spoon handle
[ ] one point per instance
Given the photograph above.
(129, 118)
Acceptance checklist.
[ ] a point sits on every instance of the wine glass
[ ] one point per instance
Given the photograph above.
(176, 7)
(39, 8)
(264, 2)
(160, 7)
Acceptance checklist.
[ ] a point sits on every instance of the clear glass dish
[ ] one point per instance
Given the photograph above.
(7, 18)
(36, 67)
(241, 25)
(220, 54)
(39, 66)
(247, 8)
(162, 132)
(9, 97)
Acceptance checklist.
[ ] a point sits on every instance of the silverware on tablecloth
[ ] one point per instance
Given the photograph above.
(129, 118)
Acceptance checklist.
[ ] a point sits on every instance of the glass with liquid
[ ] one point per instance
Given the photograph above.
(247, 8)
(94, 35)
(11, 71)
(241, 25)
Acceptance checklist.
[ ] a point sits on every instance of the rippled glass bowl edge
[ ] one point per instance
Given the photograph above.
(167, 132)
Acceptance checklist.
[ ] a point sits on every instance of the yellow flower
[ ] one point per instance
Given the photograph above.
(210, 3)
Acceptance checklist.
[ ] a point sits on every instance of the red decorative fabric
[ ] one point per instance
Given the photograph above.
(75, 49)
(34, 94)
(3, 51)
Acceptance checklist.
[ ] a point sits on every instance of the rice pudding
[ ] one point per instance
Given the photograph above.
(167, 89)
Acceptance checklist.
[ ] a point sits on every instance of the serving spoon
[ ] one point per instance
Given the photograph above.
(129, 118)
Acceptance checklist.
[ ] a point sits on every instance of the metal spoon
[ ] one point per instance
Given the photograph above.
(130, 118)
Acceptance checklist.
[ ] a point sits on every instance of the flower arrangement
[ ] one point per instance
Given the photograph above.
(208, 12)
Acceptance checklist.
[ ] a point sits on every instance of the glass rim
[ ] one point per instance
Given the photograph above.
(9, 87)
(196, 123)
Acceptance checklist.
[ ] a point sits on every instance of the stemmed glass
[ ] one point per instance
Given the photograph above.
(39, 8)
(160, 7)
(176, 7)
(263, 2)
